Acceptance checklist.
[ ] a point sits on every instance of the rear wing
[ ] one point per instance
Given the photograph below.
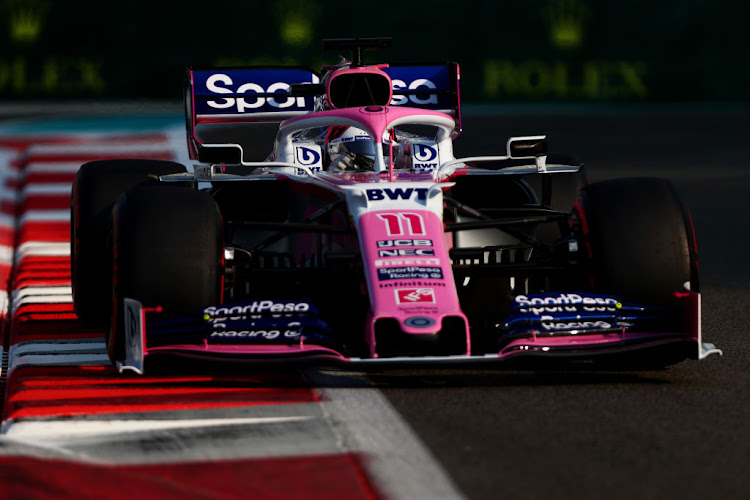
(273, 94)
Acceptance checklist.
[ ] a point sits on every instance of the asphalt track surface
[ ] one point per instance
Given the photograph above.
(678, 433)
(682, 432)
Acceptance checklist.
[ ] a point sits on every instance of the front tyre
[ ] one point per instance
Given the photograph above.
(96, 188)
(168, 252)
(637, 239)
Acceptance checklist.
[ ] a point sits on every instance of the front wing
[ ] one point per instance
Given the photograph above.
(560, 326)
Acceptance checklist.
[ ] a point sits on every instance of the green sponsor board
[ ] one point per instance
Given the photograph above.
(513, 50)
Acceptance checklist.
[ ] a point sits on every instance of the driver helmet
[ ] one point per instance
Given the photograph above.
(350, 148)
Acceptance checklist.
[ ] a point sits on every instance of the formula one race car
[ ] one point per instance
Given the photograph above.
(362, 239)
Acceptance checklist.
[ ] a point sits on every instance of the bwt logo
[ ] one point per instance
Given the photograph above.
(307, 156)
(422, 83)
(423, 152)
(222, 84)
(396, 194)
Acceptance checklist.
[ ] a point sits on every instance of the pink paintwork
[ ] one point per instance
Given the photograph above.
(416, 288)
(374, 118)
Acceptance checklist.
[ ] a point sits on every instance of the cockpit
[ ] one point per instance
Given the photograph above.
(338, 148)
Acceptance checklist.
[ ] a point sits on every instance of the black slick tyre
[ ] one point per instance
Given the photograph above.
(168, 252)
(637, 239)
(97, 186)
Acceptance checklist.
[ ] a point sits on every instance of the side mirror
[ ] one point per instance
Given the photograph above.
(220, 153)
(525, 147)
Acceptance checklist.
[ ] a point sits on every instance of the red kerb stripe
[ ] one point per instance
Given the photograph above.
(311, 477)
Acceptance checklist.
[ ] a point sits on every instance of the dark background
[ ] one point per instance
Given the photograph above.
(680, 433)
(509, 51)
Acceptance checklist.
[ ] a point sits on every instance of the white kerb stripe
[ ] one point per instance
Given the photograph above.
(41, 290)
(52, 167)
(54, 188)
(88, 359)
(66, 346)
(41, 299)
(7, 220)
(62, 431)
(41, 249)
(6, 254)
(62, 215)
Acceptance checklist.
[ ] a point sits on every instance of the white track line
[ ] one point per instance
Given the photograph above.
(397, 461)
(289, 431)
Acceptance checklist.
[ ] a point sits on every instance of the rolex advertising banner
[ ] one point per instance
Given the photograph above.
(508, 50)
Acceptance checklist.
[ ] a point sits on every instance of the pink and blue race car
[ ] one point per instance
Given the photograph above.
(362, 239)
